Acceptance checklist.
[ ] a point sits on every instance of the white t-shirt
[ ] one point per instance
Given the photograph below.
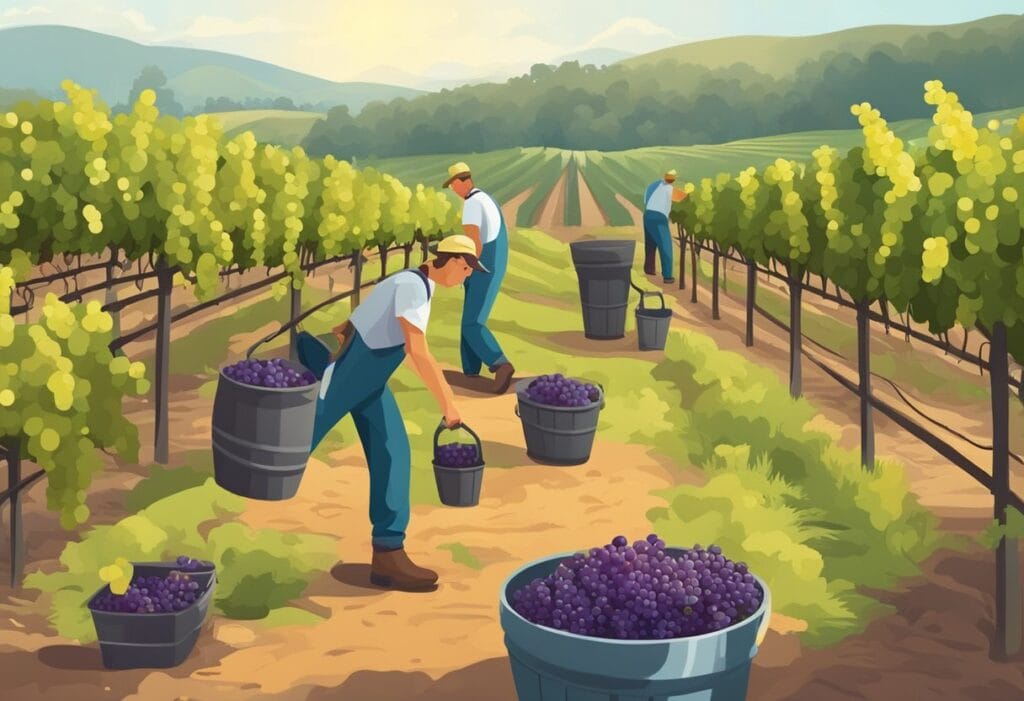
(661, 199)
(481, 210)
(400, 296)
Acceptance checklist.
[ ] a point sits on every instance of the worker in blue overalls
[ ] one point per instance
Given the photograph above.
(658, 201)
(387, 328)
(483, 222)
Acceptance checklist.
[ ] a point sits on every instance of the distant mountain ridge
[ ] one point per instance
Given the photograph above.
(780, 55)
(110, 64)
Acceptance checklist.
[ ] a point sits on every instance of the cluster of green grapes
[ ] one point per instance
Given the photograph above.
(60, 394)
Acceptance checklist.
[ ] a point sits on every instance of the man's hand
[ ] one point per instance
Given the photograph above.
(452, 418)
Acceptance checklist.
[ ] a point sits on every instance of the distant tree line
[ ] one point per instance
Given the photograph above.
(152, 78)
(227, 104)
(583, 107)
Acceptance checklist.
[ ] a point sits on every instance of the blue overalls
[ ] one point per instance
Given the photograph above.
(478, 345)
(657, 235)
(357, 384)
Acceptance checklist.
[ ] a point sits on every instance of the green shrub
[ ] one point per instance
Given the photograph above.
(186, 523)
(802, 512)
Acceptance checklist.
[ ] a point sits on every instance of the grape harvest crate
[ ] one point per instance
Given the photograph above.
(152, 640)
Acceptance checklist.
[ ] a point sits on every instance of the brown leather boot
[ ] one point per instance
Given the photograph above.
(394, 570)
(503, 377)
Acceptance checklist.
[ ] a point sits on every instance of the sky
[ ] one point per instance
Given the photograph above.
(346, 40)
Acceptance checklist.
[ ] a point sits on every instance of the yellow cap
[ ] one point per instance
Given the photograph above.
(460, 244)
(455, 171)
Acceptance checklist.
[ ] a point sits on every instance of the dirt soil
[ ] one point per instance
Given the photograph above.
(552, 213)
(590, 211)
(446, 645)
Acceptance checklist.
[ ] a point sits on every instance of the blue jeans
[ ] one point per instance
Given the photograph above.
(478, 345)
(357, 384)
(657, 233)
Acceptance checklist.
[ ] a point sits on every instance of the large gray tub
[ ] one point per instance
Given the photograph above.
(552, 665)
(602, 267)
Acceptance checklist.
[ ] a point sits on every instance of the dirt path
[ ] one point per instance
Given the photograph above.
(525, 511)
(552, 214)
(634, 211)
(510, 209)
(590, 210)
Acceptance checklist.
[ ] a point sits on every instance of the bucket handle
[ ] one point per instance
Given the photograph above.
(441, 428)
(659, 295)
(646, 293)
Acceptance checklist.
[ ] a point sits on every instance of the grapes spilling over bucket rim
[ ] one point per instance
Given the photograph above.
(273, 374)
(644, 592)
(557, 391)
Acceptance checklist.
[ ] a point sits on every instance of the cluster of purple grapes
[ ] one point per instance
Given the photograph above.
(640, 592)
(457, 455)
(558, 390)
(175, 592)
(269, 373)
(187, 564)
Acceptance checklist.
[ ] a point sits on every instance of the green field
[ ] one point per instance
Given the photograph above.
(279, 127)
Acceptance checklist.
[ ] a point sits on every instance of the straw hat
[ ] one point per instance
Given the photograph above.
(455, 171)
(460, 244)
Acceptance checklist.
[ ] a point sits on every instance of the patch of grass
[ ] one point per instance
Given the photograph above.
(163, 482)
(257, 571)
(289, 616)
(462, 556)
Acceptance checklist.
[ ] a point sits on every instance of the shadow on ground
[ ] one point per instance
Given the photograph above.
(490, 679)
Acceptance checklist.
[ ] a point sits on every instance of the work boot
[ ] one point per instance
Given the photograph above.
(503, 377)
(394, 570)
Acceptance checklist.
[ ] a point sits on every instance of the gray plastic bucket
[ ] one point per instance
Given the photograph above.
(459, 486)
(261, 437)
(652, 324)
(152, 640)
(602, 268)
(552, 665)
(557, 435)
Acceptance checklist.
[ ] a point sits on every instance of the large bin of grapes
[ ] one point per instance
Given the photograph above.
(559, 416)
(602, 268)
(458, 469)
(157, 621)
(262, 428)
(552, 664)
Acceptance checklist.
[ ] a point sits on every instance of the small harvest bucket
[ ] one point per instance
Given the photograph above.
(459, 486)
(652, 324)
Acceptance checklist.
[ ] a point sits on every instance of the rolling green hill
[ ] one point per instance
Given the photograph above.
(279, 127)
(779, 56)
(40, 57)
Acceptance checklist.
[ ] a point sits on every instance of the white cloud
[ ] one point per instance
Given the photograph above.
(138, 21)
(208, 27)
(632, 34)
(17, 13)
